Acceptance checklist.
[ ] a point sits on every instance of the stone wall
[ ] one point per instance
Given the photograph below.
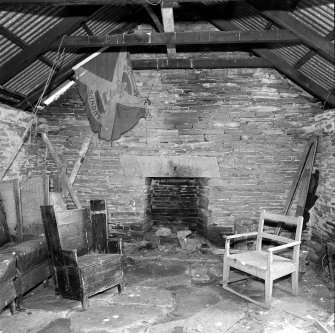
(323, 213)
(248, 121)
(13, 124)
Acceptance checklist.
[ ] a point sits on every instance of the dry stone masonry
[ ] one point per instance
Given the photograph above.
(251, 122)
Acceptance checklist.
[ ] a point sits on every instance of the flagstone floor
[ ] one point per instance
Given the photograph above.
(176, 294)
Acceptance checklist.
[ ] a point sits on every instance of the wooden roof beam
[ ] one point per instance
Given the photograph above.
(57, 80)
(181, 38)
(29, 54)
(200, 63)
(92, 2)
(312, 53)
(22, 44)
(158, 25)
(318, 43)
(12, 94)
(168, 23)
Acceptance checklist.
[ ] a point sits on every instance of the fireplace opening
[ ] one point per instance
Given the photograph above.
(178, 203)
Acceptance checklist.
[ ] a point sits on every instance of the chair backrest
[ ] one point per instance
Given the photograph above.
(5, 236)
(10, 194)
(68, 230)
(277, 218)
(34, 193)
(99, 225)
(75, 230)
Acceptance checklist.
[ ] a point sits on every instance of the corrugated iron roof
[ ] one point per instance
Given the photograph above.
(28, 23)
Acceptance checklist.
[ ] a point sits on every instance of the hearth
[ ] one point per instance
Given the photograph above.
(178, 203)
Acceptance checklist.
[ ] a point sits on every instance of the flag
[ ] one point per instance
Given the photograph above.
(107, 86)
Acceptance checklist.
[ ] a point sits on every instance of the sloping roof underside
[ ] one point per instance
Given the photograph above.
(315, 14)
(28, 23)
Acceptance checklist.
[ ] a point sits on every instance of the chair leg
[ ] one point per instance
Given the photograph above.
(120, 288)
(268, 291)
(225, 275)
(85, 303)
(295, 278)
(12, 307)
(19, 302)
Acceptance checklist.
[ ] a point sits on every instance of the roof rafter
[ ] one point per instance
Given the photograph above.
(181, 38)
(318, 43)
(58, 79)
(12, 94)
(22, 44)
(311, 53)
(158, 25)
(29, 54)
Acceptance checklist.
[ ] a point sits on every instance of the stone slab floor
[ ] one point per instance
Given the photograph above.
(177, 294)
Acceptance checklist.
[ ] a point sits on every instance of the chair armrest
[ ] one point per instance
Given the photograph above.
(247, 234)
(70, 257)
(284, 246)
(114, 245)
(228, 238)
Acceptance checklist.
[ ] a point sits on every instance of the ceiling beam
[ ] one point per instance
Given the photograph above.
(318, 43)
(168, 23)
(29, 54)
(181, 38)
(284, 67)
(93, 2)
(200, 63)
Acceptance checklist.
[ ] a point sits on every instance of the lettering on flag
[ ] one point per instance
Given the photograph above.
(108, 89)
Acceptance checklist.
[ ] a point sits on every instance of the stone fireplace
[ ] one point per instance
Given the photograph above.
(178, 203)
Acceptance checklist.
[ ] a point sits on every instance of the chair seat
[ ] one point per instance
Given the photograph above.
(7, 267)
(258, 260)
(94, 259)
(28, 254)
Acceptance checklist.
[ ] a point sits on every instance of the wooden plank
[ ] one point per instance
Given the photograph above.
(296, 180)
(73, 228)
(61, 167)
(158, 25)
(312, 53)
(34, 193)
(80, 160)
(200, 63)
(22, 44)
(317, 42)
(306, 177)
(181, 38)
(168, 24)
(29, 54)
(90, 2)
(99, 225)
(12, 94)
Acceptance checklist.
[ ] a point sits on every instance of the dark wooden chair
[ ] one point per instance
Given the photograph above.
(74, 243)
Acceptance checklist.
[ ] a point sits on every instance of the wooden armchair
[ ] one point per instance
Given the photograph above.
(265, 264)
(79, 270)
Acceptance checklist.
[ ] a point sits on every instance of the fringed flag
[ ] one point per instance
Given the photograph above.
(106, 85)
